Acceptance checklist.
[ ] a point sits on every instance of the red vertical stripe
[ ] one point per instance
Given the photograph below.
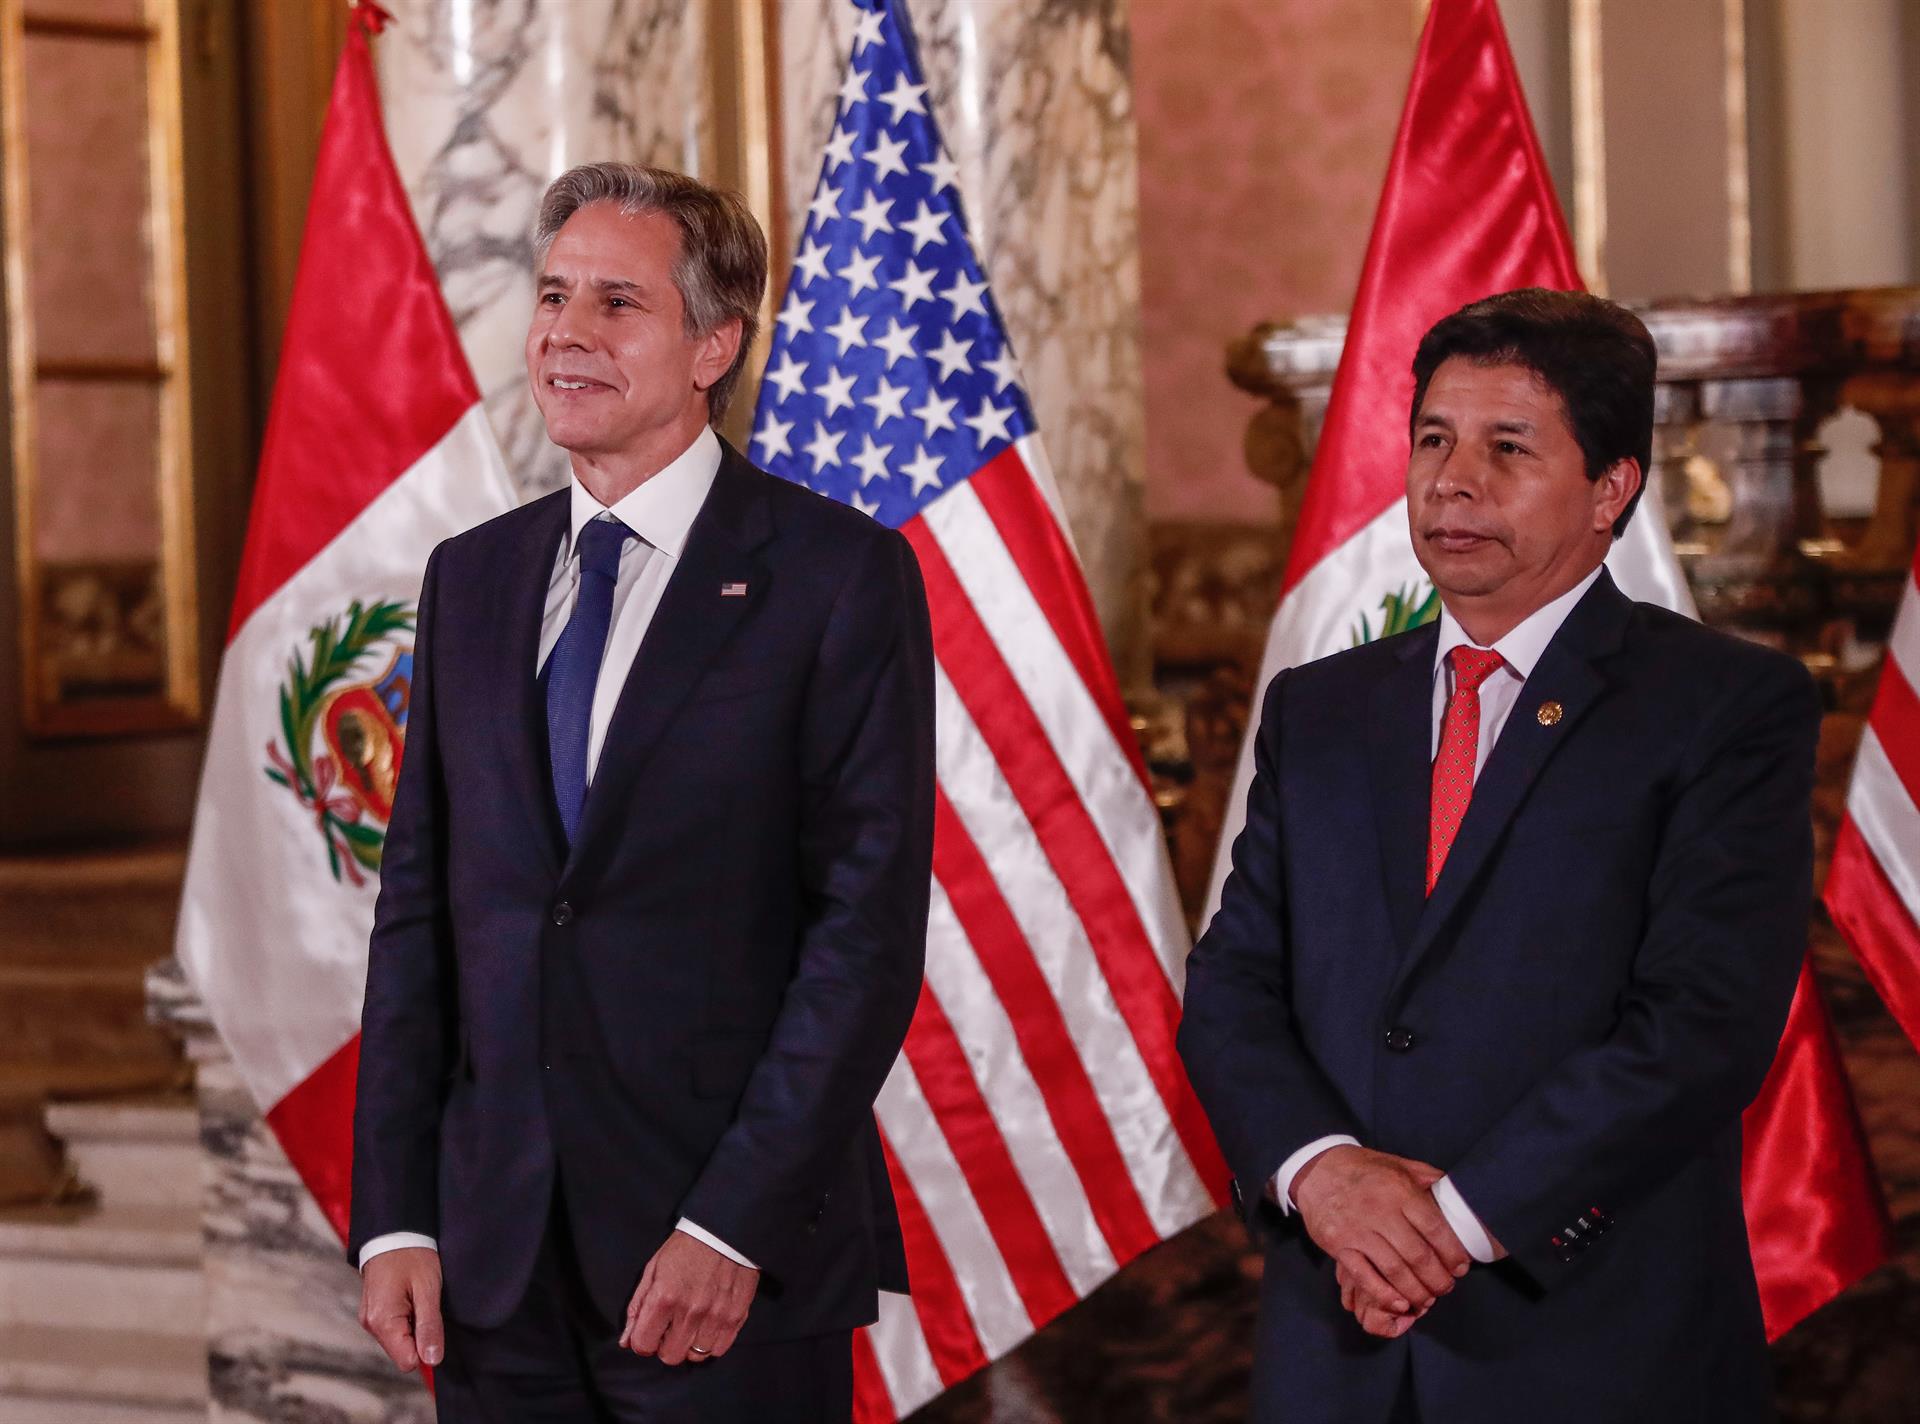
(1006, 488)
(871, 1402)
(951, 1338)
(1071, 842)
(371, 372)
(1816, 1222)
(1467, 209)
(945, 1077)
(314, 1123)
(1041, 1031)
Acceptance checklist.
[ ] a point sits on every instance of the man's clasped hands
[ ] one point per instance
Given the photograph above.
(1375, 1215)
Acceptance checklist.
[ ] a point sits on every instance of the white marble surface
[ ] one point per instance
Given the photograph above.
(486, 102)
(283, 1335)
(1035, 103)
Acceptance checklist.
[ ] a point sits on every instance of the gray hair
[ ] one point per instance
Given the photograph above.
(721, 273)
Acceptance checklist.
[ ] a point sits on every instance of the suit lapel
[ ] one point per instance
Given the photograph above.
(1566, 674)
(523, 727)
(691, 624)
(1399, 733)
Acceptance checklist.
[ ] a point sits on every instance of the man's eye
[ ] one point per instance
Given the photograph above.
(1430, 441)
(1507, 447)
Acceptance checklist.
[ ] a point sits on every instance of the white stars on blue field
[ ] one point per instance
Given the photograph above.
(890, 379)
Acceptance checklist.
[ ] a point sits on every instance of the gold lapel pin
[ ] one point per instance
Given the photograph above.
(1549, 714)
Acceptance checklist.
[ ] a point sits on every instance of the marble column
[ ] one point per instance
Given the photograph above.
(1035, 103)
(283, 1332)
(486, 102)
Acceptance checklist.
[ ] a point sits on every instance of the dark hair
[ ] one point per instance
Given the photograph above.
(1594, 354)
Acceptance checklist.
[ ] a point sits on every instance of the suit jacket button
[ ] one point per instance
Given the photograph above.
(563, 913)
(1400, 1038)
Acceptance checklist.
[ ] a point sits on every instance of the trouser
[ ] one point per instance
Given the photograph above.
(1406, 1409)
(556, 1360)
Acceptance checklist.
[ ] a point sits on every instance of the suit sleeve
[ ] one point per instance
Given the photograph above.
(866, 858)
(407, 1029)
(1263, 1093)
(1701, 1016)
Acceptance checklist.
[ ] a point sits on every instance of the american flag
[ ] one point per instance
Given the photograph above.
(1038, 1128)
(1873, 889)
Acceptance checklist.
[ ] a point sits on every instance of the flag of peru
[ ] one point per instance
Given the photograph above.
(377, 448)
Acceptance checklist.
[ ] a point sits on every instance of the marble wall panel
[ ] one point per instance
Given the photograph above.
(1035, 103)
(486, 102)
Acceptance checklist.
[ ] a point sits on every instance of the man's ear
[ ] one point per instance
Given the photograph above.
(717, 350)
(1614, 491)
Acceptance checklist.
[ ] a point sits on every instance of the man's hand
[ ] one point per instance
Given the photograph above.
(1374, 1317)
(691, 1303)
(400, 1305)
(1374, 1213)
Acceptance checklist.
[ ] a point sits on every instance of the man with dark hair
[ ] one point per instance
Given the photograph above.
(654, 899)
(1510, 939)
(1599, 357)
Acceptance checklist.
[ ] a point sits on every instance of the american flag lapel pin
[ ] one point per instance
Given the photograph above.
(733, 590)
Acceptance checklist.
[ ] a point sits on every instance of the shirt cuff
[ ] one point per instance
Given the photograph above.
(1465, 1224)
(1282, 1184)
(394, 1241)
(707, 1238)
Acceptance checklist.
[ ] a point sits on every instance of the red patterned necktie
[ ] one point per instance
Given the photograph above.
(1459, 745)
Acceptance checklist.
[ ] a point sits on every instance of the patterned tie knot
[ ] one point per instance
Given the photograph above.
(600, 543)
(1473, 666)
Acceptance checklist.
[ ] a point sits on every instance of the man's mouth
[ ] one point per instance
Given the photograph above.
(575, 383)
(1458, 541)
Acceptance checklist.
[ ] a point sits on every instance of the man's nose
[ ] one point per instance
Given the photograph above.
(1459, 474)
(570, 329)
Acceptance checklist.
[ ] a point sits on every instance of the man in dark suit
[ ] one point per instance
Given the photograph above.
(1510, 938)
(653, 905)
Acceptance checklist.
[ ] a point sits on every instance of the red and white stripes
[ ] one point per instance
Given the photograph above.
(1873, 888)
(1038, 1126)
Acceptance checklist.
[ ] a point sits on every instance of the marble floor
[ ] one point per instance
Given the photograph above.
(1167, 1339)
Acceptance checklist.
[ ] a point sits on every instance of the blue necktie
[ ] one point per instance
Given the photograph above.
(574, 666)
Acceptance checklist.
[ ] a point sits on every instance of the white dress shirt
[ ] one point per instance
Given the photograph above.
(1520, 652)
(660, 512)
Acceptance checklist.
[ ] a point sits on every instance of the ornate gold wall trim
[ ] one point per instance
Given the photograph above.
(1589, 143)
(742, 41)
(178, 706)
(1739, 177)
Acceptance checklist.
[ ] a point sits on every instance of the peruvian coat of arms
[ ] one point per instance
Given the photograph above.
(343, 714)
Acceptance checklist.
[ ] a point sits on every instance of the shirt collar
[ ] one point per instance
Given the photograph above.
(1522, 647)
(662, 509)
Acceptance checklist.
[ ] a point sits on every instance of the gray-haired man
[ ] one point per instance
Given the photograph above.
(654, 897)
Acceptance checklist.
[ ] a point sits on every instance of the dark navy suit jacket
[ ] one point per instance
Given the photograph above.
(691, 1010)
(1578, 1015)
